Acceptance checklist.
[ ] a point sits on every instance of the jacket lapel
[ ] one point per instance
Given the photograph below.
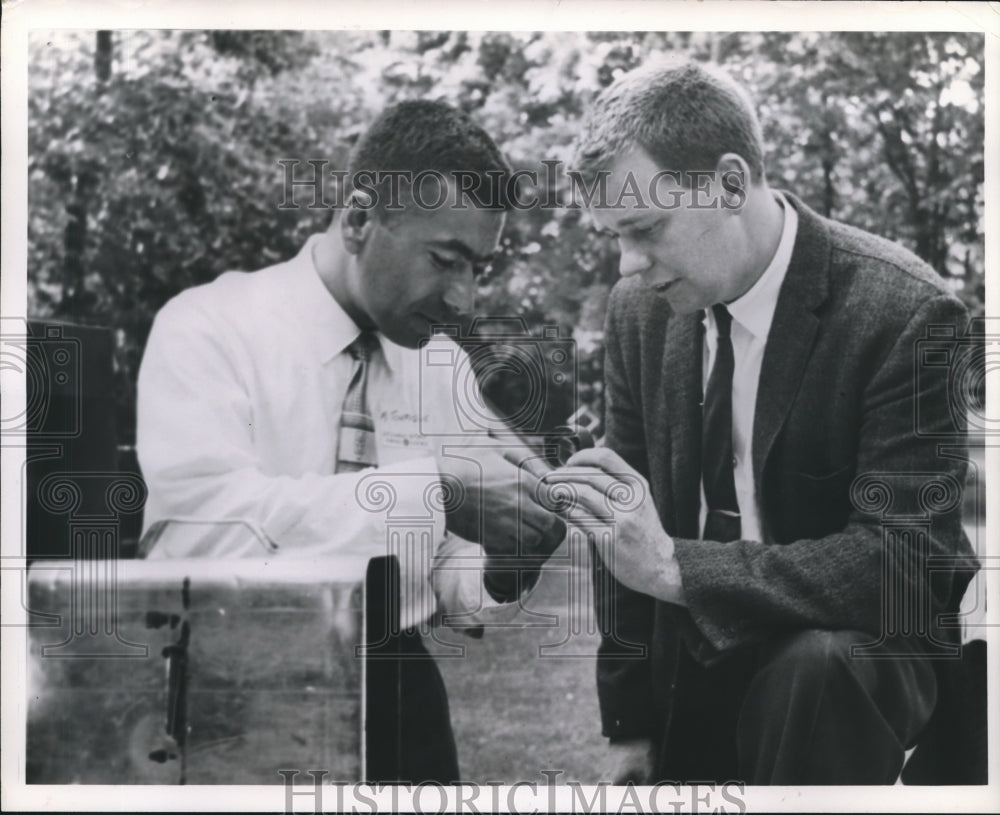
(793, 331)
(681, 385)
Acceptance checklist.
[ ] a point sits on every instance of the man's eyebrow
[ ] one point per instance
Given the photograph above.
(624, 223)
(630, 220)
(457, 246)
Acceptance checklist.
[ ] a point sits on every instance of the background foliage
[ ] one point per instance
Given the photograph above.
(154, 155)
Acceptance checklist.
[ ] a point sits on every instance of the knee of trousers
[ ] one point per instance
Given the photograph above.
(808, 662)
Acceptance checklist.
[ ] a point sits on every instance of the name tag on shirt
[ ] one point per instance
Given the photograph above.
(400, 430)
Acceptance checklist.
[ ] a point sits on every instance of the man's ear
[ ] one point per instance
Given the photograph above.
(356, 221)
(733, 181)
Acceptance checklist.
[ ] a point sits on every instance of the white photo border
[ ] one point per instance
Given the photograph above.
(20, 18)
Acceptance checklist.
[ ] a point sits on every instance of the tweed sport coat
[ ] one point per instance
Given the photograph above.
(836, 417)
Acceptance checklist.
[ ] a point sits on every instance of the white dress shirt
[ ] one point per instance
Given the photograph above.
(752, 315)
(239, 400)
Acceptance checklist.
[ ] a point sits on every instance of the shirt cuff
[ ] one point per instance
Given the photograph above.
(463, 601)
(712, 628)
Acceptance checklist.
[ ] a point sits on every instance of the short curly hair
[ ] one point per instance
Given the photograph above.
(685, 115)
(427, 136)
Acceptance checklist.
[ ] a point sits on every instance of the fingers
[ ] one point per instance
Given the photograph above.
(501, 506)
(603, 458)
(540, 532)
(586, 491)
(538, 513)
(553, 536)
(585, 475)
(531, 532)
(527, 460)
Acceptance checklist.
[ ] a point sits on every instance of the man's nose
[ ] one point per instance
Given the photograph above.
(460, 296)
(632, 262)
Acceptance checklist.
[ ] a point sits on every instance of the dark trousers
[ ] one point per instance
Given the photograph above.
(798, 710)
(408, 728)
(408, 735)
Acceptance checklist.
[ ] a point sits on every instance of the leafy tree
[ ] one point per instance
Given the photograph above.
(154, 156)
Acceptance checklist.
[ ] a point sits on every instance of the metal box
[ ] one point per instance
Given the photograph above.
(194, 671)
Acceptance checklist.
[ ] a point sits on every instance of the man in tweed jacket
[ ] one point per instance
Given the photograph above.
(757, 659)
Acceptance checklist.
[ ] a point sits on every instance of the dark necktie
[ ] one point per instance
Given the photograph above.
(722, 522)
(356, 439)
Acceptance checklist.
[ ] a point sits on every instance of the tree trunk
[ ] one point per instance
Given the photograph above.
(103, 55)
(75, 243)
(84, 186)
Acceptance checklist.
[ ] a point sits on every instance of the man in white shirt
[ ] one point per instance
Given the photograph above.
(290, 412)
(759, 373)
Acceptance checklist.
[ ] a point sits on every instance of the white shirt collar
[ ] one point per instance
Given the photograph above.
(329, 326)
(754, 310)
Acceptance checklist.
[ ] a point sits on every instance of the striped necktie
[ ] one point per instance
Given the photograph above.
(722, 522)
(356, 439)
